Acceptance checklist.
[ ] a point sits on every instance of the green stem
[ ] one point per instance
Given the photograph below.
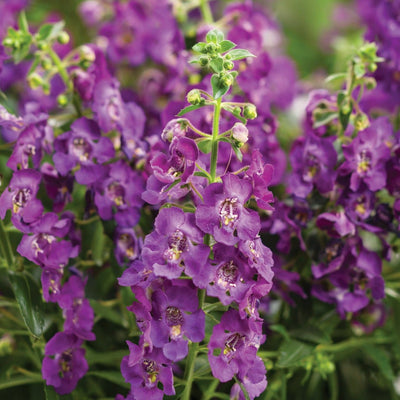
(5, 246)
(352, 344)
(60, 67)
(214, 146)
(333, 386)
(243, 389)
(206, 12)
(193, 350)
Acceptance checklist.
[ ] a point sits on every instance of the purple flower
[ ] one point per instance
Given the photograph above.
(68, 365)
(180, 164)
(176, 319)
(223, 213)
(313, 161)
(366, 156)
(51, 282)
(127, 245)
(84, 150)
(176, 244)
(120, 191)
(20, 197)
(42, 247)
(233, 347)
(336, 224)
(78, 314)
(145, 369)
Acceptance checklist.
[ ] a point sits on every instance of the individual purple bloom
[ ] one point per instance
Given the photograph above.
(120, 191)
(176, 319)
(51, 282)
(68, 365)
(10, 121)
(368, 319)
(335, 224)
(366, 156)
(58, 188)
(359, 204)
(143, 317)
(145, 369)
(313, 161)
(83, 149)
(255, 381)
(175, 128)
(127, 245)
(180, 164)
(42, 247)
(20, 198)
(230, 276)
(233, 346)
(261, 176)
(176, 244)
(78, 314)
(92, 11)
(157, 192)
(259, 257)
(223, 212)
(286, 283)
(138, 274)
(248, 307)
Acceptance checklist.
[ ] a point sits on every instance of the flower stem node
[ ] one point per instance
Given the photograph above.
(250, 111)
(35, 80)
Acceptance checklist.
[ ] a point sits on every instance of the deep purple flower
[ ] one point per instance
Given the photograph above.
(51, 282)
(176, 244)
(78, 314)
(68, 365)
(313, 161)
(120, 191)
(176, 319)
(42, 247)
(180, 164)
(261, 176)
(145, 369)
(233, 346)
(366, 156)
(83, 150)
(335, 224)
(223, 212)
(20, 198)
(127, 245)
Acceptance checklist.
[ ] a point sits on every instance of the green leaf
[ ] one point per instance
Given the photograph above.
(335, 77)
(239, 54)
(108, 313)
(7, 382)
(203, 174)
(231, 109)
(205, 146)
(111, 376)
(311, 334)
(322, 118)
(105, 358)
(292, 352)
(238, 152)
(226, 45)
(218, 89)
(189, 108)
(381, 359)
(50, 393)
(48, 32)
(199, 47)
(30, 301)
(23, 23)
(217, 64)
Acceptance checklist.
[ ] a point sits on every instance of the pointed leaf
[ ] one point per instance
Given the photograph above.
(381, 359)
(226, 45)
(205, 146)
(189, 108)
(292, 352)
(239, 54)
(199, 47)
(30, 301)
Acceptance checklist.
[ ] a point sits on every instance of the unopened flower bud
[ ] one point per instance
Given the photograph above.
(63, 38)
(46, 64)
(210, 47)
(174, 128)
(372, 67)
(7, 344)
(62, 100)
(361, 122)
(203, 61)
(370, 82)
(46, 88)
(86, 53)
(226, 79)
(35, 80)
(194, 97)
(228, 65)
(240, 132)
(250, 112)
(42, 46)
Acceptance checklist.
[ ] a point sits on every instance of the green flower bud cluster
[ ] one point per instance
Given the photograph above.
(218, 54)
